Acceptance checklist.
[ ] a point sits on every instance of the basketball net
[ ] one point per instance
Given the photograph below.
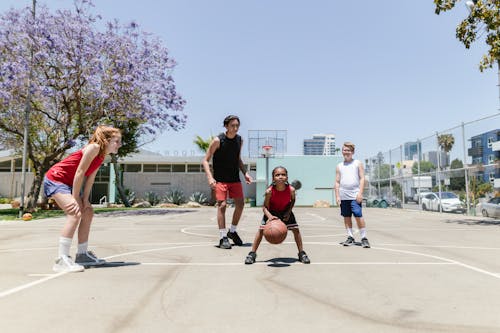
(267, 150)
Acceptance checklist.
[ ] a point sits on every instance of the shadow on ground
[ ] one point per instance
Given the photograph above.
(281, 262)
(466, 221)
(108, 264)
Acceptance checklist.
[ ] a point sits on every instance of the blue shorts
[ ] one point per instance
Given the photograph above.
(50, 187)
(349, 208)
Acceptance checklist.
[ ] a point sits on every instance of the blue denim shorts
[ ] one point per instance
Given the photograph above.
(349, 208)
(50, 187)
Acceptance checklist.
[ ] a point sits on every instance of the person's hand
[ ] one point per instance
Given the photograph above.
(212, 182)
(338, 201)
(248, 178)
(72, 207)
(286, 217)
(86, 204)
(359, 198)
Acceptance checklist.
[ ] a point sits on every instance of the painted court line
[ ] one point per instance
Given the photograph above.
(271, 262)
(31, 284)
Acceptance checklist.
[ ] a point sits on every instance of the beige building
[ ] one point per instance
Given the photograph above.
(143, 172)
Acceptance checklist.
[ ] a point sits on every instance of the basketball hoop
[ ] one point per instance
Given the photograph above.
(267, 150)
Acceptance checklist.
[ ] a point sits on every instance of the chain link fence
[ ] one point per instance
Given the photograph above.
(460, 165)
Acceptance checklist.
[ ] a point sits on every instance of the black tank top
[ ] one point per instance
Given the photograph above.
(226, 160)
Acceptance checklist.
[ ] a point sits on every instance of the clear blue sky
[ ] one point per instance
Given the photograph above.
(378, 73)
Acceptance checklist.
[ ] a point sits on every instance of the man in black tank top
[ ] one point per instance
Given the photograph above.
(225, 149)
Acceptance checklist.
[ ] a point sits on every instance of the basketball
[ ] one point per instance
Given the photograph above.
(27, 216)
(275, 231)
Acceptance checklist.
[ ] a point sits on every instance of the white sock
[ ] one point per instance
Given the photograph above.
(362, 232)
(64, 246)
(349, 232)
(233, 228)
(223, 233)
(82, 248)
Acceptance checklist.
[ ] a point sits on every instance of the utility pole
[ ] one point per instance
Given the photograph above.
(27, 110)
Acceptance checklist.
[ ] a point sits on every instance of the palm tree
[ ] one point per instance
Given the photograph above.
(446, 142)
(203, 144)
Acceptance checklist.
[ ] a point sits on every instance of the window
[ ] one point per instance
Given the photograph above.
(491, 159)
(178, 168)
(164, 168)
(5, 166)
(132, 168)
(194, 168)
(492, 177)
(149, 168)
(490, 141)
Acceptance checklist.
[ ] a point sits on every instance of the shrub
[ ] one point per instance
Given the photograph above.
(199, 197)
(130, 197)
(152, 198)
(175, 196)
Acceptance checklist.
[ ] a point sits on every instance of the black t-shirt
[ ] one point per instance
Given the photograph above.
(226, 160)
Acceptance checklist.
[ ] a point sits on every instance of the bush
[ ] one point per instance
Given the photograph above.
(130, 197)
(5, 200)
(152, 198)
(199, 197)
(175, 196)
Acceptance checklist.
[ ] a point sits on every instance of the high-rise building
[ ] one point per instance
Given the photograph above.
(320, 144)
(413, 151)
(432, 156)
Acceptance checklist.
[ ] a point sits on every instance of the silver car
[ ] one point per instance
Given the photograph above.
(491, 208)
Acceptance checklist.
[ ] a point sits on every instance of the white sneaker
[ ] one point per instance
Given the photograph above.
(66, 264)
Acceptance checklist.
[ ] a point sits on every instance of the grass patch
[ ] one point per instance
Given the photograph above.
(11, 214)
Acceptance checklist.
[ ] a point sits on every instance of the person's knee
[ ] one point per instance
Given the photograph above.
(88, 213)
(222, 204)
(239, 203)
(76, 215)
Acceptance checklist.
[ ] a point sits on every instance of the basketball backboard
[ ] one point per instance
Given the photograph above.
(270, 143)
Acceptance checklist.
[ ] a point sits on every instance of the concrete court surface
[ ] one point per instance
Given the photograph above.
(425, 272)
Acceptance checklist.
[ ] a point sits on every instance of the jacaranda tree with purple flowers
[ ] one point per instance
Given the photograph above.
(82, 76)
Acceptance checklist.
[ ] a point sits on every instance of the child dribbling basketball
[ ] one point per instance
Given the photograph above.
(278, 204)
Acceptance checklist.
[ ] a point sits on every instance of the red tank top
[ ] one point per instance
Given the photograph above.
(279, 199)
(64, 171)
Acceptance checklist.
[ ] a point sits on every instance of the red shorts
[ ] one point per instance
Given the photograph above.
(231, 190)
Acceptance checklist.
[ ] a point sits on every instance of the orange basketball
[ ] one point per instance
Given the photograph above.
(27, 216)
(275, 231)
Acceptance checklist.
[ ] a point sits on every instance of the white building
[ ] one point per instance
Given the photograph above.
(320, 144)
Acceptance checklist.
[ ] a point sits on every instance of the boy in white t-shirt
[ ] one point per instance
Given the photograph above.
(349, 185)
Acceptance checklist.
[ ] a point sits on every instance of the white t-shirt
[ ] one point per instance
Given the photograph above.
(349, 180)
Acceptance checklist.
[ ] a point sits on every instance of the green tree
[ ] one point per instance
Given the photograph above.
(425, 166)
(478, 188)
(457, 179)
(484, 14)
(381, 175)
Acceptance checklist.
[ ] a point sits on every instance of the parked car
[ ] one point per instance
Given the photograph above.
(491, 208)
(421, 195)
(449, 202)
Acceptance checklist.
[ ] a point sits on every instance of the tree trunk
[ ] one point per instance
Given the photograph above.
(121, 190)
(34, 192)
